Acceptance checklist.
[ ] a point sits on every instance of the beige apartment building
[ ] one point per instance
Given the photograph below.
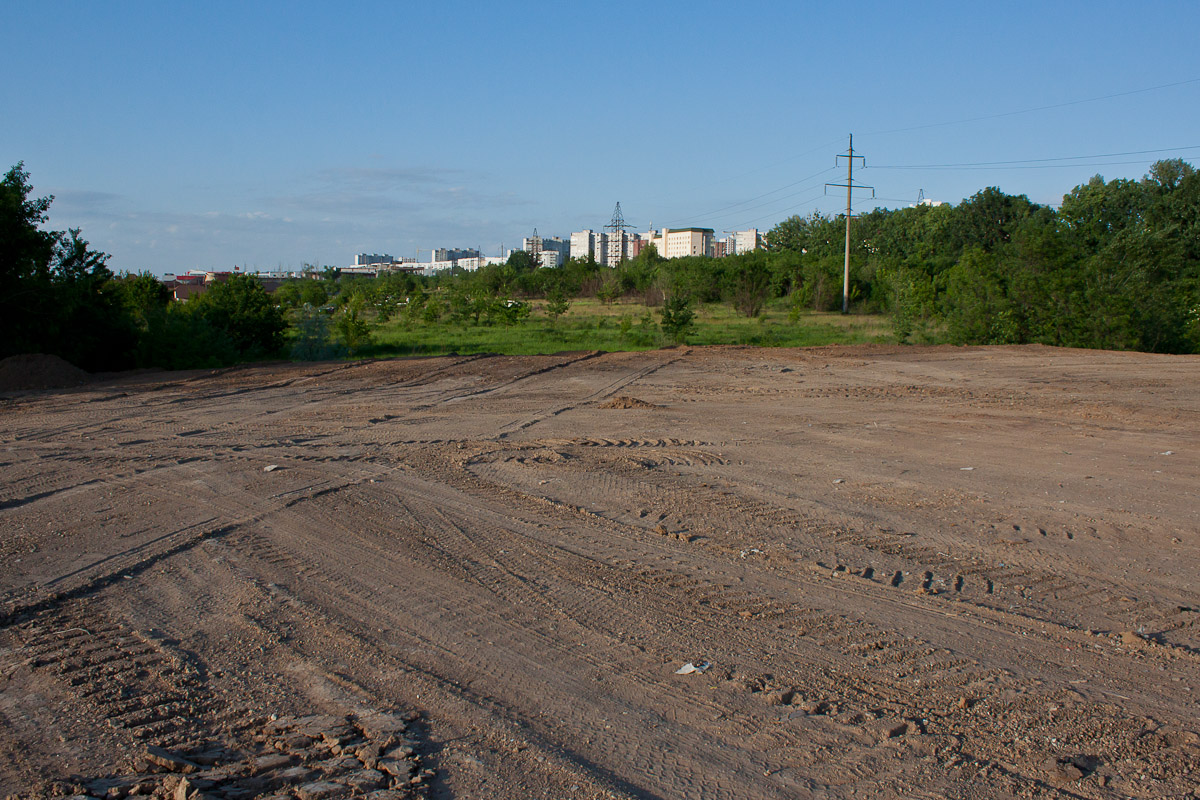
(675, 243)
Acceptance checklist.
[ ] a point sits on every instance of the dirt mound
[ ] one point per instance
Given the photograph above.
(624, 401)
(39, 371)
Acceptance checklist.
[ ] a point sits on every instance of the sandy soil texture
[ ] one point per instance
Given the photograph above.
(691, 573)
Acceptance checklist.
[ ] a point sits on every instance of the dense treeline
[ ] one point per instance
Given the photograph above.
(1117, 265)
(58, 296)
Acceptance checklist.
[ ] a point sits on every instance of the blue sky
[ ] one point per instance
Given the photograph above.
(208, 135)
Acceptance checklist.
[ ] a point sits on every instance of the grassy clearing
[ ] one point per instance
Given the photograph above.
(592, 325)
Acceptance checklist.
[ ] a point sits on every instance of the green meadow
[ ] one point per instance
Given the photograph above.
(592, 325)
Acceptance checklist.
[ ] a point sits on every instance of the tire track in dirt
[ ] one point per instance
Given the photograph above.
(509, 382)
(128, 680)
(849, 645)
(159, 700)
(974, 577)
(551, 587)
(522, 590)
(595, 396)
(508, 608)
(851, 635)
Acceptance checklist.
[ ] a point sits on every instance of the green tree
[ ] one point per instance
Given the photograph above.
(990, 218)
(144, 296)
(507, 311)
(640, 274)
(89, 325)
(750, 281)
(1168, 174)
(978, 307)
(521, 261)
(678, 319)
(580, 276)
(56, 293)
(610, 289)
(557, 303)
(413, 305)
(181, 339)
(26, 253)
(913, 303)
(242, 311)
(306, 291)
(351, 325)
(1094, 214)
(313, 339)
(469, 303)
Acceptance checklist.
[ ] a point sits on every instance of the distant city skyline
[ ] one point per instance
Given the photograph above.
(271, 134)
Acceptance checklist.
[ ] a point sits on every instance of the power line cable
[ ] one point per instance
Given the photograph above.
(968, 167)
(890, 199)
(769, 202)
(1036, 109)
(1034, 161)
(788, 211)
(718, 211)
(779, 163)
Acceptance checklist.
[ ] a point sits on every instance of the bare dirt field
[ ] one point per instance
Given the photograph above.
(894, 572)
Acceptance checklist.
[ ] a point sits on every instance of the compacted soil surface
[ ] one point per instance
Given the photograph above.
(691, 573)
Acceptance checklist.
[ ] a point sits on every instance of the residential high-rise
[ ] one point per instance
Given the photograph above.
(745, 241)
(367, 259)
(453, 254)
(590, 243)
(679, 242)
(583, 244)
(540, 246)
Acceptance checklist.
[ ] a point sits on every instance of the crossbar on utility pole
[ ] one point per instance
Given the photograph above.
(850, 187)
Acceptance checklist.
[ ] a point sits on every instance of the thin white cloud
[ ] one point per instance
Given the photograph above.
(385, 178)
(84, 199)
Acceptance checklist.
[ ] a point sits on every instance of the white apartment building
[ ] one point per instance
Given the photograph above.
(468, 264)
(597, 244)
(583, 244)
(745, 241)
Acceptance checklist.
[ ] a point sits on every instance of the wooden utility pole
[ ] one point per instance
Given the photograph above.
(850, 187)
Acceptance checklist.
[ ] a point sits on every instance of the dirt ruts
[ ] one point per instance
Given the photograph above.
(937, 572)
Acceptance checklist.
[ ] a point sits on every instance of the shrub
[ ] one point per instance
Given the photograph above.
(678, 319)
(244, 313)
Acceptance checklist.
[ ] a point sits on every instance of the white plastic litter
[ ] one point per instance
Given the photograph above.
(689, 668)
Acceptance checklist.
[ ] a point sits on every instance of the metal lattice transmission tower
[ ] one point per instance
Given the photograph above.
(618, 226)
